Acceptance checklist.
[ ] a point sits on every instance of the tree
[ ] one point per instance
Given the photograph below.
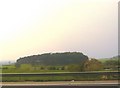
(74, 68)
(112, 64)
(26, 67)
(93, 65)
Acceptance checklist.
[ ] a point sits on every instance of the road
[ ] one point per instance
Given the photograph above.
(64, 84)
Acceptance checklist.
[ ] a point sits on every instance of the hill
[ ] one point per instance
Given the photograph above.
(53, 59)
(115, 58)
(111, 63)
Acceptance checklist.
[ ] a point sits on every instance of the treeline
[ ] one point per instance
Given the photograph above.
(62, 62)
(88, 65)
(55, 59)
(111, 64)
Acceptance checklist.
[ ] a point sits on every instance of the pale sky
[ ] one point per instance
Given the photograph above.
(30, 27)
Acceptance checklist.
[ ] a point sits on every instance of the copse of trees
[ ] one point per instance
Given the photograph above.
(111, 63)
(88, 65)
(71, 65)
(54, 59)
(68, 61)
(75, 68)
(93, 65)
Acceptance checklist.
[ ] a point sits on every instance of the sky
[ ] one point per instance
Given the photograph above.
(31, 27)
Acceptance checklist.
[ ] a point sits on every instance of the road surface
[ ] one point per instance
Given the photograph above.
(64, 84)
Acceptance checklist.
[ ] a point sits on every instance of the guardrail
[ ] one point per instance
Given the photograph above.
(59, 73)
(60, 76)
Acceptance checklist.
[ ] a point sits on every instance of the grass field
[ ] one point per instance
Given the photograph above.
(25, 69)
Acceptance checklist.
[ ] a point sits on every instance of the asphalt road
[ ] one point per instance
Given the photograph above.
(64, 86)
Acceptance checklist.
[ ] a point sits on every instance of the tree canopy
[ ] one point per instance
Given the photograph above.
(65, 58)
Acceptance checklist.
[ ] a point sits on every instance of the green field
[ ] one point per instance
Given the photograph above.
(29, 69)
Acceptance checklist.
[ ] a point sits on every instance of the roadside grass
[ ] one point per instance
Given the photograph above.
(57, 78)
(49, 78)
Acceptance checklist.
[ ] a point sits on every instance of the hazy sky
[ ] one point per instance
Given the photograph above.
(38, 26)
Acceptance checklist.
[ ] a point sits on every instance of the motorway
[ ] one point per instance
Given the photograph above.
(64, 84)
